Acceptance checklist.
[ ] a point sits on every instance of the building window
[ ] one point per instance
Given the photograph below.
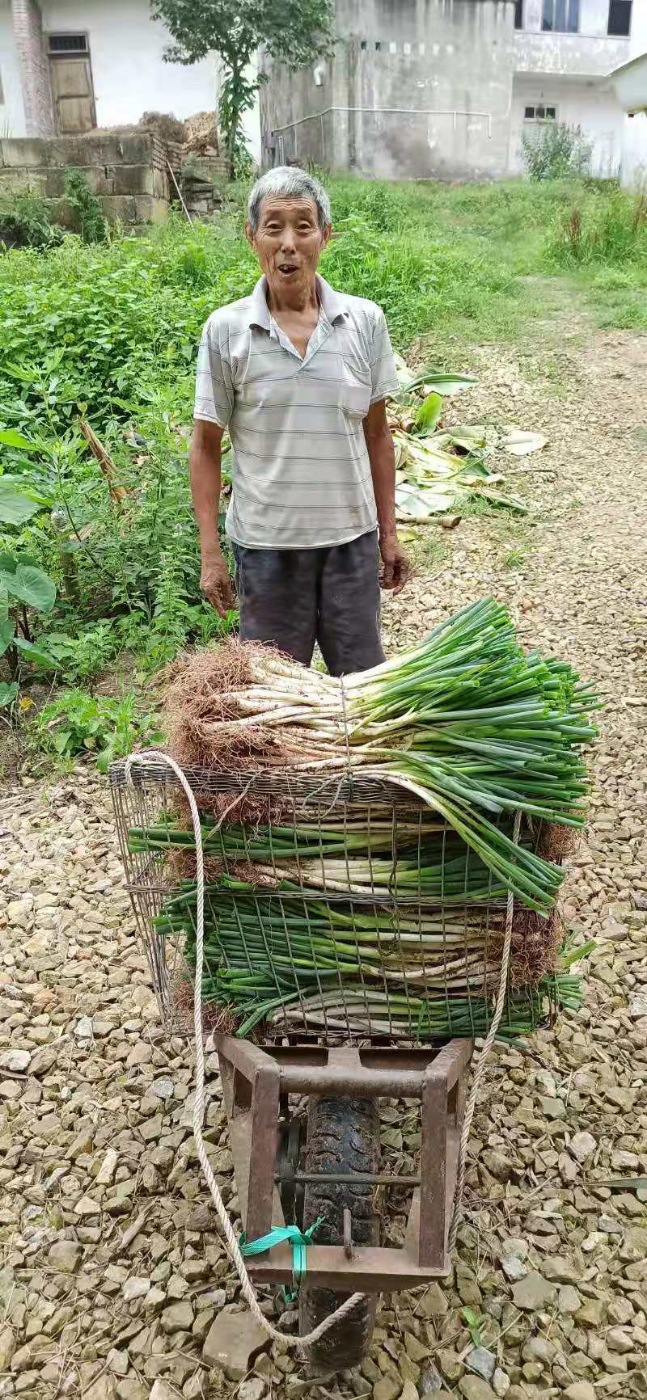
(518, 14)
(619, 18)
(561, 16)
(67, 43)
(540, 113)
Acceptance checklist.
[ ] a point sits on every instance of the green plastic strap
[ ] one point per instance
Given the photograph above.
(285, 1234)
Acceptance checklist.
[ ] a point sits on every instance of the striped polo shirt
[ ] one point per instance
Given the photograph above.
(301, 476)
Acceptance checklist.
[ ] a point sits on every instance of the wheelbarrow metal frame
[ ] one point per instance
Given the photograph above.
(255, 1082)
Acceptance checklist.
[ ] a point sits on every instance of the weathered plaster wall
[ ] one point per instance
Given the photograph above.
(419, 88)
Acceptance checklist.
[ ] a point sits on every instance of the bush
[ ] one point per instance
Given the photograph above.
(90, 219)
(555, 150)
(26, 222)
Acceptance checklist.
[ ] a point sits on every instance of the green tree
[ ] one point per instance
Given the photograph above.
(294, 32)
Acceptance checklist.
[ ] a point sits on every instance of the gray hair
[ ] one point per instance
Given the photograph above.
(288, 182)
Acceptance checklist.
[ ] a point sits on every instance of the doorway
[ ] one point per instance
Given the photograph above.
(72, 86)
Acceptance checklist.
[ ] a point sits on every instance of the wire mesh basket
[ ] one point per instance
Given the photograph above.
(334, 910)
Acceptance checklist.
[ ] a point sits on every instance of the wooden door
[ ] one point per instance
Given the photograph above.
(73, 93)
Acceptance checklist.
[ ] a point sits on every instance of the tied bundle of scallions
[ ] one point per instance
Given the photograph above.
(467, 723)
(414, 974)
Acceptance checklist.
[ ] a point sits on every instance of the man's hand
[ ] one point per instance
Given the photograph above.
(396, 567)
(216, 583)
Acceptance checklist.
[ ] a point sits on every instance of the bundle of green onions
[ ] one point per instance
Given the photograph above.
(348, 857)
(418, 975)
(467, 722)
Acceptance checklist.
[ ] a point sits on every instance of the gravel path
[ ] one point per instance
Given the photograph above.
(112, 1272)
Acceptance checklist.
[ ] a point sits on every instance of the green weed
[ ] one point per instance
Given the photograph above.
(105, 726)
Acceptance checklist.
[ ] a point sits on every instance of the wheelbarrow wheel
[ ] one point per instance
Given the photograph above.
(343, 1137)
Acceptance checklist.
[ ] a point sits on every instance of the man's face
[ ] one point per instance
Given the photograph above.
(288, 241)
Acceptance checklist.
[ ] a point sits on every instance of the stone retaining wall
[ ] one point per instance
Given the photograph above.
(129, 172)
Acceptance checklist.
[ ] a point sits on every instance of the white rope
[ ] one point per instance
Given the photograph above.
(483, 1058)
(154, 757)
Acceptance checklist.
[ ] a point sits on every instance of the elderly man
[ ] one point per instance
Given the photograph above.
(298, 374)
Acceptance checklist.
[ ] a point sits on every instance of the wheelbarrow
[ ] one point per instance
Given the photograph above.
(296, 1168)
(302, 1106)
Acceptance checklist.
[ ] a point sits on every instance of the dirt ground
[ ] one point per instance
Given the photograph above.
(112, 1271)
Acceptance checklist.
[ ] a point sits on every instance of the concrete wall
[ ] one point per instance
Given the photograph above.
(128, 172)
(584, 104)
(448, 60)
(12, 110)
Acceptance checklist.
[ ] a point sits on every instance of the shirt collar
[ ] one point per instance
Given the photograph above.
(332, 303)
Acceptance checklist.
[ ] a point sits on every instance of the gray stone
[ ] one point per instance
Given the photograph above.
(568, 1300)
(498, 1165)
(86, 1206)
(430, 1381)
(580, 1390)
(7, 1347)
(253, 1388)
(482, 1362)
(163, 1088)
(433, 1302)
(15, 1060)
(65, 1256)
(473, 1388)
(513, 1268)
(619, 1340)
(163, 1391)
(233, 1340)
(532, 1292)
(388, 1388)
(500, 1383)
(582, 1146)
(135, 1288)
(108, 1168)
(118, 1362)
(177, 1318)
(610, 1225)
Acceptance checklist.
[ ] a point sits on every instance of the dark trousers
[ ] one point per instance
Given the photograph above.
(296, 597)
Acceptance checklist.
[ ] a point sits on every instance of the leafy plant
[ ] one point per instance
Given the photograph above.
(76, 723)
(90, 218)
(23, 586)
(553, 150)
(26, 222)
(289, 31)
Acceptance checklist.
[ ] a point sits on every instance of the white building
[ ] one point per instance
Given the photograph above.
(629, 84)
(417, 88)
(67, 66)
(444, 89)
(564, 52)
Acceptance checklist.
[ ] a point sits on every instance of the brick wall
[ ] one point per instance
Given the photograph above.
(34, 67)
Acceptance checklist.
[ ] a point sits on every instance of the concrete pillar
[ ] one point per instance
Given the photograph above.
(34, 68)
